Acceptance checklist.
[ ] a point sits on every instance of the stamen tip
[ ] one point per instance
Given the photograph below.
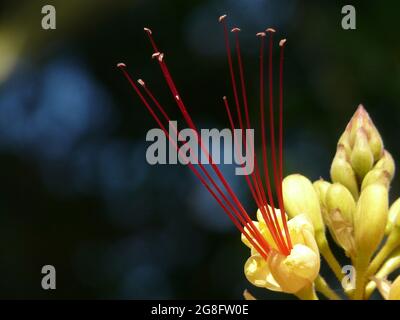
(161, 57)
(261, 34)
(121, 65)
(224, 97)
(141, 82)
(271, 30)
(282, 42)
(177, 97)
(221, 18)
(155, 55)
(235, 30)
(147, 30)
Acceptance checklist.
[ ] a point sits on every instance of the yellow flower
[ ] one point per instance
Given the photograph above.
(290, 273)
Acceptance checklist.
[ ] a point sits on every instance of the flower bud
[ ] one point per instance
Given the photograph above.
(394, 216)
(376, 176)
(361, 119)
(370, 220)
(344, 141)
(300, 197)
(338, 197)
(361, 158)
(340, 207)
(386, 163)
(342, 172)
(375, 143)
(320, 187)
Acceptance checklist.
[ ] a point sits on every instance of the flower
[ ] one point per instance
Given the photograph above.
(293, 265)
(353, 207)
(287, 273)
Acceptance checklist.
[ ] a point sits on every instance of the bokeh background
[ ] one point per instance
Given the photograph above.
(75, 189)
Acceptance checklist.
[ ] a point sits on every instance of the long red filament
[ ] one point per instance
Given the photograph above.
(281, 59)
(229, 202)
(260, 204)
(162, 110)
(262, 251)
(263, 134)
(189, 121)
(274, 226)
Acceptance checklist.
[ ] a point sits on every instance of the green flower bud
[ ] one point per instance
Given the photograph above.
(341, 206)
(299, 197)
(376, 176)
(344, 140)
(342, 172)
(386, 163)
(361, 119)
(376, 143)
(339, 197)
(320, 187)
(361, 158)
(370, 220)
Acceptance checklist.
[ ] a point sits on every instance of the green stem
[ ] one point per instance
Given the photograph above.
(392, 264)
(391, 243)
(328, 255)
(361, 267)
(322, 286)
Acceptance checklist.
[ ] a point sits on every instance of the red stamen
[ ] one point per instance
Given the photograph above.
(260, 204)
(263, 250)
(233, 81)
(264, 143)
(282, 46)
(277, 176)
(217, 188)
(274, 228)
(189, 121)
(231, 205)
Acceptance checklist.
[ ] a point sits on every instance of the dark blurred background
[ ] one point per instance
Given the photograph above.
(75, 189)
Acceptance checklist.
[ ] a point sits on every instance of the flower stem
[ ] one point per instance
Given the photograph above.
(328, 256)
(392, 264)
(322, 286)
(361, 267)
(391, 243)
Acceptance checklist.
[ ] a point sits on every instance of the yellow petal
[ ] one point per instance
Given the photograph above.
(303, 261)
(297, 225)
(288, 280)
(257, 272)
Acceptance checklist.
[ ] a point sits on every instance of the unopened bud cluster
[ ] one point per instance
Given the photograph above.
(355, 204)
(353, 207)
